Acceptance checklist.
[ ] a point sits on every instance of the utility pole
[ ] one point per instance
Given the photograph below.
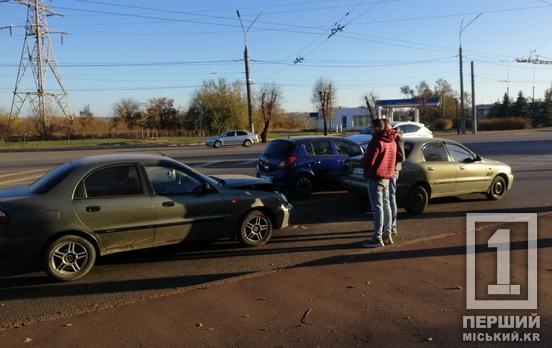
(38, 55)
(247, 76)
(474, 113)
(462, 115)
(457, 119)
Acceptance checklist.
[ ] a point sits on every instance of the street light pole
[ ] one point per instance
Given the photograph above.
(247, 75)
(462, 115)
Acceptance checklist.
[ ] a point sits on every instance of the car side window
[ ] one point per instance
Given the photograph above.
(122, 180)
(347, 149)
(459, 154)
(171, 181)
(435, 152)
(230, 134)
(319, 148)
(241, 133)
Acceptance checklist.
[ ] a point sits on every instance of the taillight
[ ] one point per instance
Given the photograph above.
(287, 162)
(4, 219)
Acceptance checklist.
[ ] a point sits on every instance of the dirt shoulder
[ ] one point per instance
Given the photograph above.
(401, 295)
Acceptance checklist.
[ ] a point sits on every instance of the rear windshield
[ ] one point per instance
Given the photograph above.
(279, 148)
(51, 179)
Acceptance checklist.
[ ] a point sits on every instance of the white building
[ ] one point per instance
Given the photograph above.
(346, 119)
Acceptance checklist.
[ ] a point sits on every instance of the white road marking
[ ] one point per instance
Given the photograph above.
(5, 175)
(20, 180)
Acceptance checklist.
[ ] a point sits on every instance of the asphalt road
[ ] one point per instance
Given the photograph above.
(328, 224)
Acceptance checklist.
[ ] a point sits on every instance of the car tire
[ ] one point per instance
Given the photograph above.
(217, 144)
(303, 186)
(417, 200)
(247, 143)
(255, 229)
(497, 189)
(69, 258)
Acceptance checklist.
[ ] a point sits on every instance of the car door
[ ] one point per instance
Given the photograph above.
(230, 138)
(322, 160)
(241, 136)
(440, 171)
(113, 202)
(471, 176)
(184, 209)
(344, 150)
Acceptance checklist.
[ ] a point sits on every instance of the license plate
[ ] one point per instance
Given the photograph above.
(358, 171)
(266, 178)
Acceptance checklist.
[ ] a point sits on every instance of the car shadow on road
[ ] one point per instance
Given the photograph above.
(43, 287)
(417, 253)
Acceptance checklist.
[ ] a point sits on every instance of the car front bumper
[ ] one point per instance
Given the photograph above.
(283, 216)
(510, 181)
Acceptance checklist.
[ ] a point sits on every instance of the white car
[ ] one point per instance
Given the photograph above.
(234, 137)
(409, 130)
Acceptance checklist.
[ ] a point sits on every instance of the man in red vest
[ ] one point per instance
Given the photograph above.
(379, 166)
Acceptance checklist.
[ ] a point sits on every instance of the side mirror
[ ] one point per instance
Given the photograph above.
(477, 158)
(206, 187)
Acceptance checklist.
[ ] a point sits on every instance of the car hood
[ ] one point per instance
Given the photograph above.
(359, 138)
(493, 162)
(14, 193)
(246, 182)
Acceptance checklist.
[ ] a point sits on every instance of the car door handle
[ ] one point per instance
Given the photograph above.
(93, 208)
(462, 167)
(168, 204)
(317, 162)
(430, 168)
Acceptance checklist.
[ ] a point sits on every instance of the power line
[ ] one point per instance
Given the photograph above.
(424, 61)
(140, 64)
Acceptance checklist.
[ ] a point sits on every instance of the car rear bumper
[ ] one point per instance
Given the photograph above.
(355, 184)
(283, 215)
(20, 248)
(279, 178)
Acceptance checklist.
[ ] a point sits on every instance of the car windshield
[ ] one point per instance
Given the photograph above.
(365, 131)
(279, 148)
(51, 179)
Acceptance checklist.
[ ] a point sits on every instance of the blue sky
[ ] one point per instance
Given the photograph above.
(167, 48)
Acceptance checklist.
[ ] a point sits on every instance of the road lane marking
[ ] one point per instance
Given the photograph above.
(5, 175)
(20, 180)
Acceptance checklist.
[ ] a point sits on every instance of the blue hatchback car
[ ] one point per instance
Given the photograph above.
(302, 164)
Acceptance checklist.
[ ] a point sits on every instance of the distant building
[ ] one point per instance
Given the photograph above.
(346, 119)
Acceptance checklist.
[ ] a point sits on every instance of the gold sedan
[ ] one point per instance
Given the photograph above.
(434, 168)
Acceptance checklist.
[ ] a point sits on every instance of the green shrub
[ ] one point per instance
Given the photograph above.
(504, 123)
(440, 124)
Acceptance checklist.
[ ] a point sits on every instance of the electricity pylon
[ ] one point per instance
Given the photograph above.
(38, 55)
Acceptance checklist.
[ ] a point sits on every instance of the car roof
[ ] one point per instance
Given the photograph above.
(419, 140)
(401, 123)
(304, 138)
(120, 158)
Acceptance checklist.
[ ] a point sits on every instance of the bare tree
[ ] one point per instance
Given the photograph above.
(323, 97)
(269, 100)
(370, 99)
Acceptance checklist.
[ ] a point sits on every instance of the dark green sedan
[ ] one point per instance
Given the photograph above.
(106, 204)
